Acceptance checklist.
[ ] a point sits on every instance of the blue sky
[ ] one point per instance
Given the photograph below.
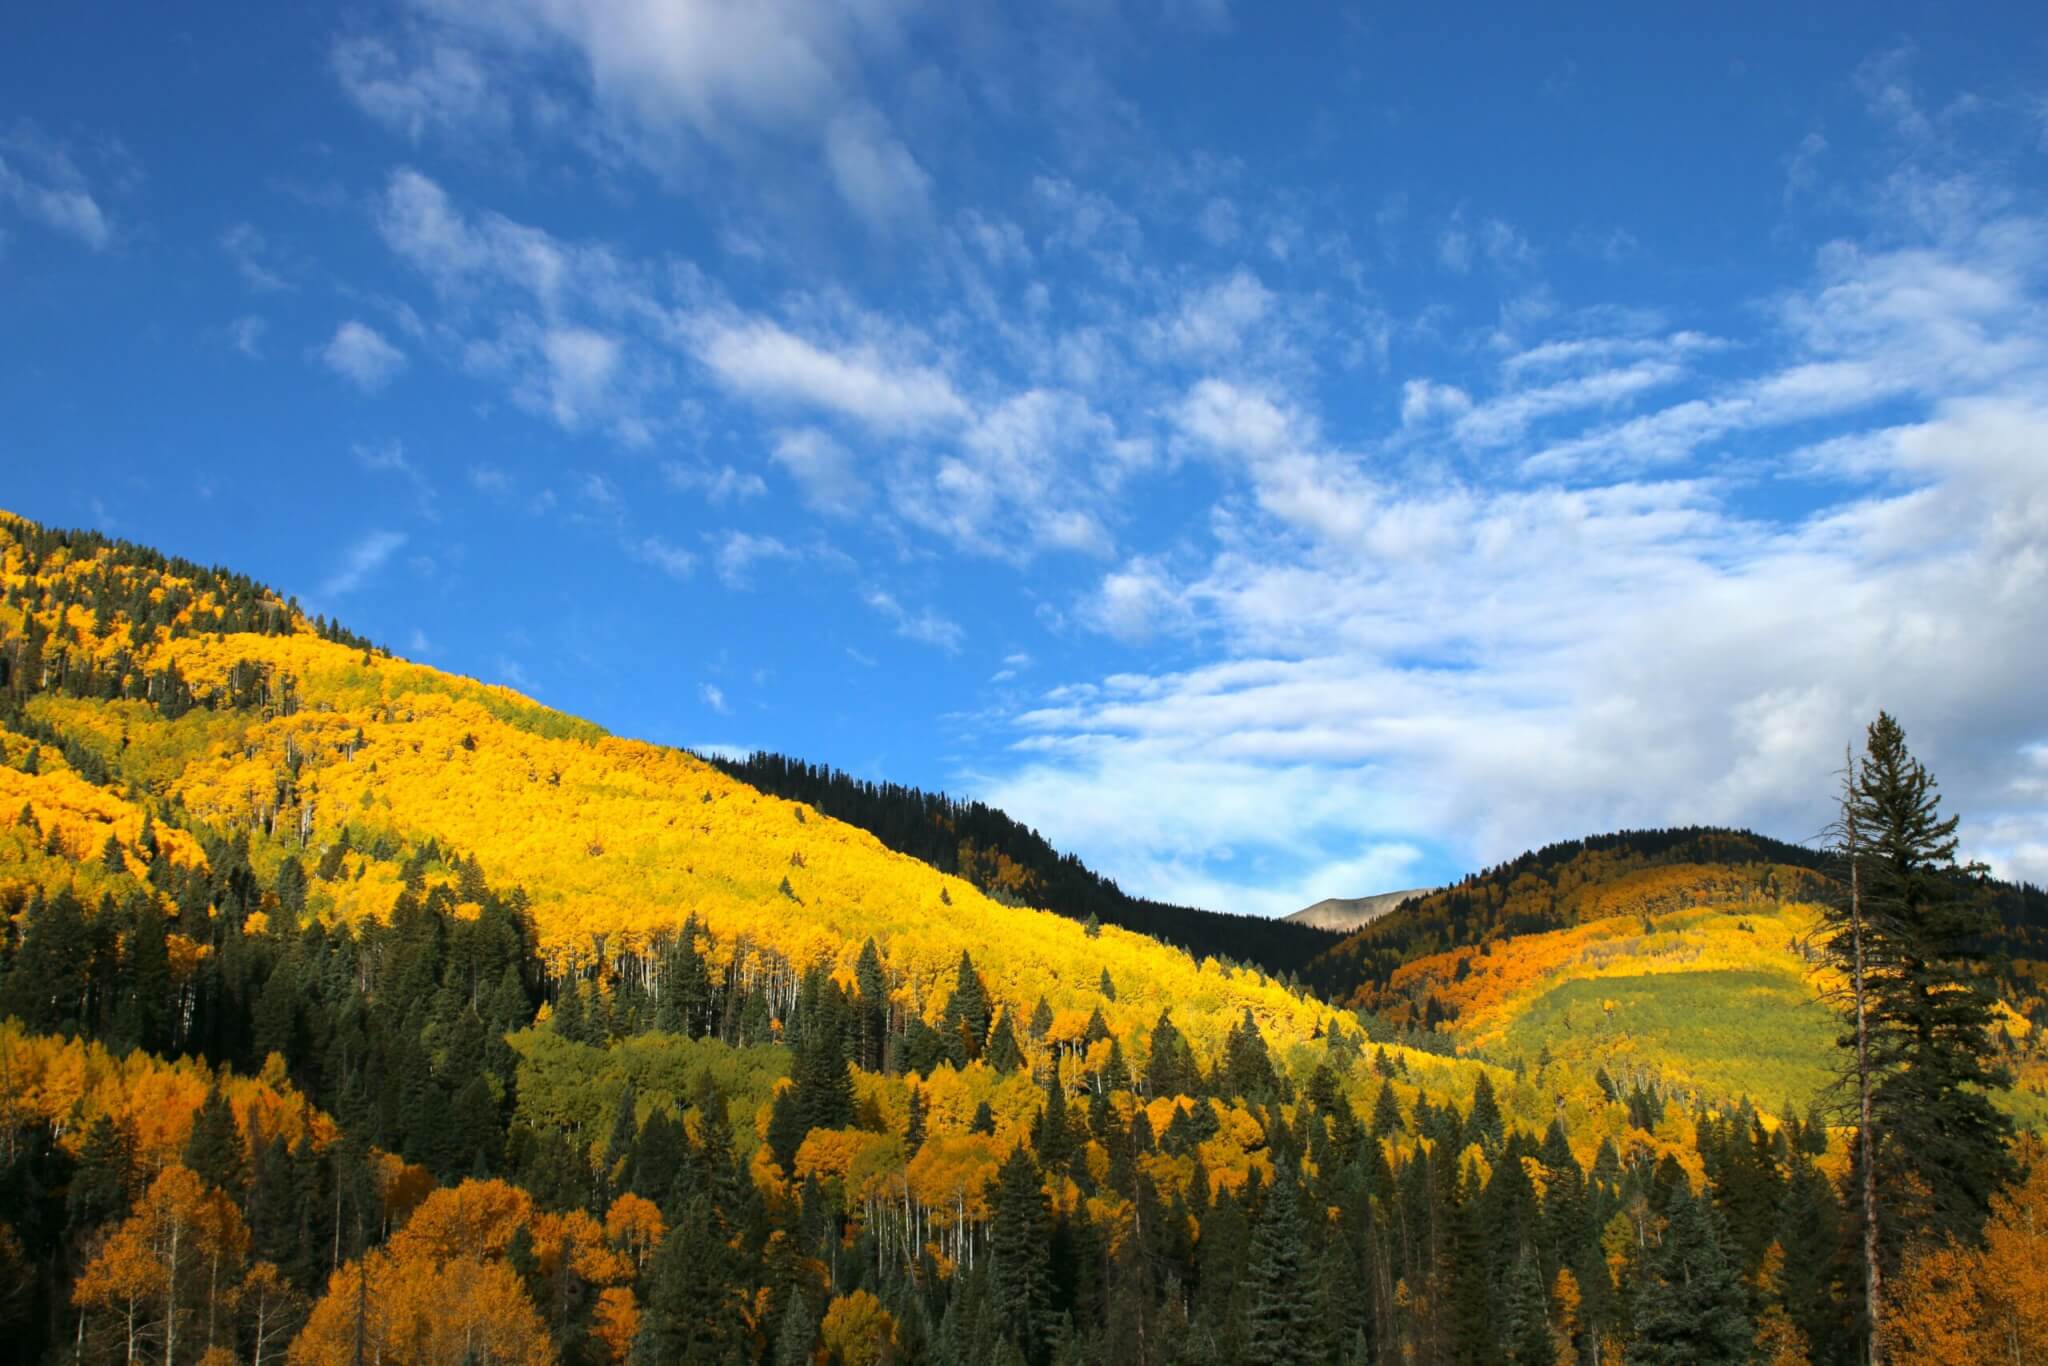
(1280, 451)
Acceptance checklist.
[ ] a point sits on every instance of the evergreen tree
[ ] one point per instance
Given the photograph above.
(1004, 1054)
(1170, 1070)
(214, 1147)
(797, 1333)
(1283, 1324)
(695, 1312)
(1386, 1112)
(1527, 1330)
(1689, 1310)
(1940, 1146)
(1020, 1272)
(967, 1012)
(1484, 1125)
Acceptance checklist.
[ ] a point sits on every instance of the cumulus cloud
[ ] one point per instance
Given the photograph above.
(359, 354)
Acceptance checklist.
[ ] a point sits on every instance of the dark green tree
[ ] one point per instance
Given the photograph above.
(1689, 1310)
(1020, 1270)
(1282, 1320)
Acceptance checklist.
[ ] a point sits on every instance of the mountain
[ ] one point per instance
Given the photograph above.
(203, 697)
(352, 1008)
(1345, 914)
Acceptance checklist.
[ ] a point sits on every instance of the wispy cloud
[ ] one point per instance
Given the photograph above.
(925, 625)
(41, 180)
(361, 562)
(389, 457)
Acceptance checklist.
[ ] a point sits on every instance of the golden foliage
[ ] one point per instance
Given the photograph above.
(857, 1330)
(68, 1083)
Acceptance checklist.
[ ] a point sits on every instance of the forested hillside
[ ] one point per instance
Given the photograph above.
(1014, 864)
(356, 1011)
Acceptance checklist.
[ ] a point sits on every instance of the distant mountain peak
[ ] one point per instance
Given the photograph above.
(1349, 913)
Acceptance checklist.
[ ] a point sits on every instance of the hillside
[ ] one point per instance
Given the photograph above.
(312, 743)
(1684, 955)
(1346, 914)
(1015, 865)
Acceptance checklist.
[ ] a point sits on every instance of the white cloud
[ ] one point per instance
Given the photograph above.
(1213, 321)
(671, 560)
(925, 626)
(874, 172)
(581, 364)
(390, 458)
(443, 89)
(824, 470)
(361, 562)
(253, 259)
(739, 551)
(1560, 642)
(41, 180)
(359, 354)
(246, 335)
(719, 486)
(759, 359)
(713, 697)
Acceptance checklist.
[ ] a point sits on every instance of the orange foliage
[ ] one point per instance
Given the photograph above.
(68, 1084)
(421, 1312)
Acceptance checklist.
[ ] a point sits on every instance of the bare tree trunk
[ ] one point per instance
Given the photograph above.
(1865, 1146)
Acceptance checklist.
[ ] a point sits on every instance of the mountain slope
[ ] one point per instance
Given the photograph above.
(207, 693)
(1014, 864)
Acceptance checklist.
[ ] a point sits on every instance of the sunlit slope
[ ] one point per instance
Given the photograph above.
(1721, 998)
(614, 841)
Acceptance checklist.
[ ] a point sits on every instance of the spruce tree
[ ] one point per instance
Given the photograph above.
(1283, 1324)
(214, 1147)
(1940, 1145)
(1689, 1309)
(1004, 1054)
(1171, 1069)
(1020, 1270)
(967, 1012)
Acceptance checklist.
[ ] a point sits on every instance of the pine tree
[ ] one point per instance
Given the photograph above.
(797, 1333)
(1386, 1112)
(1484, 1125)
(1527, 1330)
(1283, 1325)
(1020, 1271)
(1004, 1054)
(1689, 1309)
(967, 1012)
(1932, 1148)
(214, 1147)
(1171, 1069)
